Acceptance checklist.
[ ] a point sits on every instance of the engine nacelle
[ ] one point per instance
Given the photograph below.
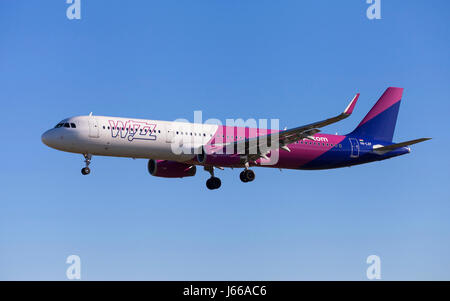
(170, 169)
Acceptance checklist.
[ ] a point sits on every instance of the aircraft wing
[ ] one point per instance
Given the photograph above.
(254, 149)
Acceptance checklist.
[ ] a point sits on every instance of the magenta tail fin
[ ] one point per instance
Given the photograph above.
(379, 123)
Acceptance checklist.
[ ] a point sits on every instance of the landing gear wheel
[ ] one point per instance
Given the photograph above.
(213, 183)
(209, 184)
(85, 170)
(217, 182)
(250, 175)
(247, 175)
(87, 161)
(242, 177)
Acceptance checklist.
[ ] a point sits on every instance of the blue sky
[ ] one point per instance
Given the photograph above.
(299, 61)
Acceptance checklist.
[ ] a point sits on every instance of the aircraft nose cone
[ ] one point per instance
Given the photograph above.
(47, 138)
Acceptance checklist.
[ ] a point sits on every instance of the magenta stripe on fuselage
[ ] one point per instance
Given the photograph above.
(301, 153)
(226, 134)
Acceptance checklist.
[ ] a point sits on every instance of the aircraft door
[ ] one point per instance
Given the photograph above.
(93, 127)
(354, 148)
(169, 135)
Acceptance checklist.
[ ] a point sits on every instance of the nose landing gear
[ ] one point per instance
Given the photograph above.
(87, 159)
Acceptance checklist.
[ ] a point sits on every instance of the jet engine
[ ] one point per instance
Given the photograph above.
(170, 169)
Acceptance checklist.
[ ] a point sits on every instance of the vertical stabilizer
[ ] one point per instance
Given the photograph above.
(379, 123)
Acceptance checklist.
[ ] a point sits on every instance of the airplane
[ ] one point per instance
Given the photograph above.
(218, 147)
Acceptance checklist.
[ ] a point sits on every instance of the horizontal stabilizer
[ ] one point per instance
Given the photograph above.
(388, 148)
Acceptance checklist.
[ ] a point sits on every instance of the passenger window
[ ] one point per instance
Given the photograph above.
(72, 125)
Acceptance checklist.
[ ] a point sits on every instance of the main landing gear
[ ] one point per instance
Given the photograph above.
(213, 182)
(247, 175)
(87, 160)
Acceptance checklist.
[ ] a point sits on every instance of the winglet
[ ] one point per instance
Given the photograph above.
(349, 109)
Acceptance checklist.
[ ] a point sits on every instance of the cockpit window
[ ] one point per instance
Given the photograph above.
(66, 125)
(72, 125)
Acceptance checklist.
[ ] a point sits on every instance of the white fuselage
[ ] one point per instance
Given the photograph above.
(129, 137)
